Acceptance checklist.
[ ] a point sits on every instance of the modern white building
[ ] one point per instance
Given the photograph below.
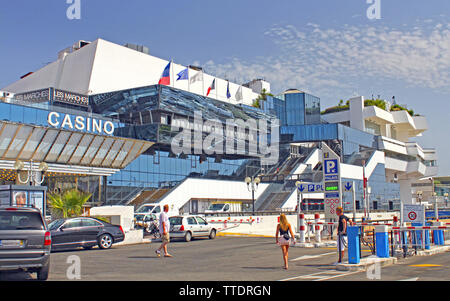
(89, 68)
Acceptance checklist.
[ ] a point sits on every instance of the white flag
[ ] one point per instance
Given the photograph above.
(197, 77)
(238, 95)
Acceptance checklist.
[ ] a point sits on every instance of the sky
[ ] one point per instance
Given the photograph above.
(329, 48)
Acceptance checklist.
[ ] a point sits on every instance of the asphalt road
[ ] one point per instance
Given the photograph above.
(225, 259)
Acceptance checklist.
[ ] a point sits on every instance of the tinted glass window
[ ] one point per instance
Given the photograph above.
(90, 223)
(145, 209)
(175, 220)
(201, 221)
(72, 224)
(13, 220)
(157, 209)
(191, 221)
(55, 224)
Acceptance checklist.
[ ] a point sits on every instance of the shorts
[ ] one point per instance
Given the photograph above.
(165, 238)
(341, 242)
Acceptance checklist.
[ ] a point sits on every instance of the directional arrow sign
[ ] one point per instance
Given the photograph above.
(348, 186)
(301, 188)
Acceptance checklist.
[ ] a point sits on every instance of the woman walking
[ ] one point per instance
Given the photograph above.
(284, 236)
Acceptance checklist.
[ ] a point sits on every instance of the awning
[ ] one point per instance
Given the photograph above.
(59, 147)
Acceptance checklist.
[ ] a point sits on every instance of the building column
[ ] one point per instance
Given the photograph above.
(405, 191)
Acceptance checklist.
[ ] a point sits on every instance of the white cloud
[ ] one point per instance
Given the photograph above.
(327, 61)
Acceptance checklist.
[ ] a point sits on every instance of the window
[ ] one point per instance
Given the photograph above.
(157, 209)
(90, 223)
(201, 221)
(13, 220)
(175, 220)
(191, 221)
(75, 223)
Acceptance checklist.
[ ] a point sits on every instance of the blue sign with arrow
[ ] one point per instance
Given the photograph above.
(348, 186)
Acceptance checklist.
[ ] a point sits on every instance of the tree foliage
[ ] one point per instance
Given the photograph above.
(68, 203)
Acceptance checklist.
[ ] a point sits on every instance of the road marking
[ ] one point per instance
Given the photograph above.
(311, 256)
(425, 265)
(321, 276)
(410, 279)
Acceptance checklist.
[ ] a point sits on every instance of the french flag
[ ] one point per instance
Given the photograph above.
(212, 87)
(165, 77)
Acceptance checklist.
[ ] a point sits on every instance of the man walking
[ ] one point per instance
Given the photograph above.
(164, 227)
(342, 233)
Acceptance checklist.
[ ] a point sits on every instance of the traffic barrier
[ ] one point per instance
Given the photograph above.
(382, 241)
(353, 242)
(302, 228)
(317, 227)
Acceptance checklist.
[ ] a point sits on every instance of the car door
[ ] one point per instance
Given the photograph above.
(193, 226)
(90, 230)
(203, 226)
(69, 235)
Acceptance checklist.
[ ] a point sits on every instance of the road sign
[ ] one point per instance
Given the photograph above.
(310, 187)
(413, 213)
(348, 186)
(331, 181)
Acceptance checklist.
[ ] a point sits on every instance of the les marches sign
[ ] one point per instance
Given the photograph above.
(54, 95)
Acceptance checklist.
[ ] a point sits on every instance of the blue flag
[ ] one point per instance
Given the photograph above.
(183, 74)
(228, 90)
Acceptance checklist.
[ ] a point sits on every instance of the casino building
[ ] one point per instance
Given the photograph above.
(101, 122)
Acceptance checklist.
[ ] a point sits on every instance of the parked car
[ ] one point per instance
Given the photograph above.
(189, 226)
(85, 232)
(25, 241)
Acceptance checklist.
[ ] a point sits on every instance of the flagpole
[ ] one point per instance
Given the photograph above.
(189, 80)
(173, 75)
(203, 83)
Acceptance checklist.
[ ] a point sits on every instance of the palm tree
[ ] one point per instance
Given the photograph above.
(69, 203)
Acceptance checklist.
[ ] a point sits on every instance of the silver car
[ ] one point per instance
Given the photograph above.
(25, 241)
(190, 226)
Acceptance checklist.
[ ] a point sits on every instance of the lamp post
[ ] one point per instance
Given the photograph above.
(252, 185)
(299, 203)
(436, 210)
(446, 199)
(32, 174)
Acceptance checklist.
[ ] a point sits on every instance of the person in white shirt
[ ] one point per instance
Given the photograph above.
(164, 227)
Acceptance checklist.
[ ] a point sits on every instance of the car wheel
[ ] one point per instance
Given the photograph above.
(188, 236)
(42, 273)
(212, 235)
(105, 241)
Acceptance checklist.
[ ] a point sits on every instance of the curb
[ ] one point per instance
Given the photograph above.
(366, 263)
(435, 250)
(224, 234)
(316, 244)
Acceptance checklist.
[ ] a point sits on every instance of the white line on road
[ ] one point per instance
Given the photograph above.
(323, 276)
(311, 256)
(410, 279)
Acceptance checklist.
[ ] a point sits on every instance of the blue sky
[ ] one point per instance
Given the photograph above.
(326, 47)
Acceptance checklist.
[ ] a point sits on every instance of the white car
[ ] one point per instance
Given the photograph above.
(189, 226)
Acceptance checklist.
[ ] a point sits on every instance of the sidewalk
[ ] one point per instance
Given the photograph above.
(365, 263)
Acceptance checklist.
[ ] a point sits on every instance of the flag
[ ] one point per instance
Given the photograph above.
(212, 87)
(239, 94)
(165, 77)
(228, 90)
(183, 74)
(197, 77)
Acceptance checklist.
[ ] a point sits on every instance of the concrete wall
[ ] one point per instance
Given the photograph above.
(120, 215)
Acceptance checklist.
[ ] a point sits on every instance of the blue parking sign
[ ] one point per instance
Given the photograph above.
(331, 166)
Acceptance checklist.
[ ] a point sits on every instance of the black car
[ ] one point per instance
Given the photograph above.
(85, 232)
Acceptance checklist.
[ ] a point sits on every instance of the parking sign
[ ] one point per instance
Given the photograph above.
(331, 182)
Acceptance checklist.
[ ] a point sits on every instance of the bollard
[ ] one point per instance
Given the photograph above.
(418, 237)
(302, 228)
(438, 235)
(427, 238)
(317, 227)
(353, 244)
(382, 241)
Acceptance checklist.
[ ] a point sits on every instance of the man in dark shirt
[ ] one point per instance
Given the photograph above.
(342, 232)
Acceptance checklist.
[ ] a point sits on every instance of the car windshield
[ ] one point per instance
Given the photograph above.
(55, 224)
(16, 220)
(176, 220)
(145, 209)
(215, 206)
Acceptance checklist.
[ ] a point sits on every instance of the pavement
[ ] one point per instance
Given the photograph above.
(227, 259)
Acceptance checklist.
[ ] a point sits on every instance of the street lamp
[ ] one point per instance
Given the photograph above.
(32, 174)
(252, 185)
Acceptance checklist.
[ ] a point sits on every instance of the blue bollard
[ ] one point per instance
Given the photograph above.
(419, 235)
(353, 234)
(382, 241)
